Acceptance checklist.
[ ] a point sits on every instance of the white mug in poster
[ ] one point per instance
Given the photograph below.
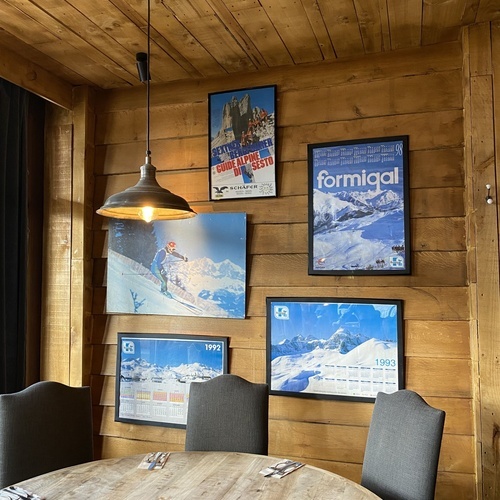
(327, 348)
(154, 374)
(359, 207)
(242, 134)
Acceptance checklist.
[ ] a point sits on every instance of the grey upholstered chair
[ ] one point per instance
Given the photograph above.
(228, 413)
(45, 427)
(402, 450)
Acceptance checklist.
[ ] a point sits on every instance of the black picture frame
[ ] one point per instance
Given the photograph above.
(154, 372)
(334, 348)
(242, 143)
(358, 196)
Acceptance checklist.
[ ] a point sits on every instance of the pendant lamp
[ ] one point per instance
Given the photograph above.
(147, 200)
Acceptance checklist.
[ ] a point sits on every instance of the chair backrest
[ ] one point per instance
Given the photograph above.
(228, 413)
(45, 427)
(402, 450)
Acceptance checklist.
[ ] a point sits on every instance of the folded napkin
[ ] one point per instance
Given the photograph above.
(154, 460)
(17, 493)
(281, 469)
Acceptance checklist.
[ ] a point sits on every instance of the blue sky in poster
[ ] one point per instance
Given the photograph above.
(353, 159)
(261, 97)
(175, 352)
(216, 236)
(319, 319)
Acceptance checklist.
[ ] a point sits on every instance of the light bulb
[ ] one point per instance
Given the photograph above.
(147, 213)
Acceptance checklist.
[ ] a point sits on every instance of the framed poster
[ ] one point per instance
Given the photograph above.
(187, 267)
(242, 157)
(154, 373)
(359, 207)
(328, 348)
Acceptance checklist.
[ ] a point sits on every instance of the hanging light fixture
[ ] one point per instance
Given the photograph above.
(147, 200)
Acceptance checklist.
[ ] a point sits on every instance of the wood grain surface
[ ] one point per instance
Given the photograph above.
(190, 475)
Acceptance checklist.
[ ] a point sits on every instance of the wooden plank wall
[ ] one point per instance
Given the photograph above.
(482, 114)
(416, 92)
(56, 325)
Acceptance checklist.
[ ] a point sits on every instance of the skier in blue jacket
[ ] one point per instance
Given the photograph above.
(162, 260)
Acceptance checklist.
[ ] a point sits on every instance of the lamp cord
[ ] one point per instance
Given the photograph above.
(148, 152)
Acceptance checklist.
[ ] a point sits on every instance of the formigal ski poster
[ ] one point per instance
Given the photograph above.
(188, 267)
(242, 143)
(358, 207)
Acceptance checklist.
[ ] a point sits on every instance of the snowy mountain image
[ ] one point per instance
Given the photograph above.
(140, 370)
(320, 369)
(358, 230)
(191, 267)
(198, 288)
(340, 341)
(342, 348)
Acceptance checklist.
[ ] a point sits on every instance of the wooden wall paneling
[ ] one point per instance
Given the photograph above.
(435, 129)
(356, 100)
(443, 339)
(435, 167)
(250, 332)
(169, 154)
(429, 268)
(471, 254)
(426, 235)
(483, 168)
(328, 104)
(433, 303)
(81, 243)
(422, 101)
(171, 438)
(455, 485)
(35, 78)
(55, 335)
(443, 57)
(111, 447)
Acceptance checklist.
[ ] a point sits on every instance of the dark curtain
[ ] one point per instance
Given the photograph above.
(21, 192)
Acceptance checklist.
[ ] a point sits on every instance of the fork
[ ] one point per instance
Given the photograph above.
(280, 470)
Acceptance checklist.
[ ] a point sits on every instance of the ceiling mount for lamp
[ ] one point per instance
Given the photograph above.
(147, 200)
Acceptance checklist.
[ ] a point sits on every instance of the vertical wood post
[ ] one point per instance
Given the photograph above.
(482, 142)
(81, 235)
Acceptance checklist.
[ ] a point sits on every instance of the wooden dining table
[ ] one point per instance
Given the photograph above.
(192, 475)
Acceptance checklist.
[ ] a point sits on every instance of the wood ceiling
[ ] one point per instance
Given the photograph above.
(95, 42)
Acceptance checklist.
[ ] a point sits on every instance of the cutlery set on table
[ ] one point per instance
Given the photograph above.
(157, 460)
(16, 493)
(281, 469)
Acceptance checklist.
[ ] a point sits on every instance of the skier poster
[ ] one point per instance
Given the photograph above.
(334, 348)
(359, 207)
(188, 267)
(242, 134)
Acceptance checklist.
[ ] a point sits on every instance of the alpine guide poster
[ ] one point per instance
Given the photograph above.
(359, 207)
(242, 143)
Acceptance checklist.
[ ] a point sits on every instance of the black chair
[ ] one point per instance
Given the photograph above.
(45, 427)
(228, 413)
(402, 450)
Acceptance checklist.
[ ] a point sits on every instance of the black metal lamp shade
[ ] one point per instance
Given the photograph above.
(147, 200)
